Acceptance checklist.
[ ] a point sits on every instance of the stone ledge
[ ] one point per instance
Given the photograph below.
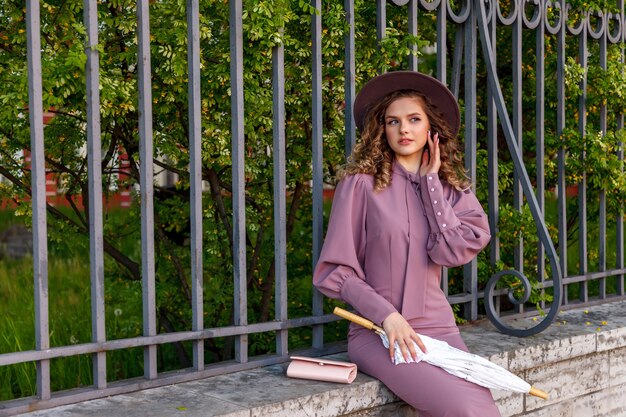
(575, 362)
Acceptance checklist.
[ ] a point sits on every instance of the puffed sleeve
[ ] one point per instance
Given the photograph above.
(459, 227)
(339, 271)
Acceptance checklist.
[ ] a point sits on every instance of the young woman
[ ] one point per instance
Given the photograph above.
(403, 209)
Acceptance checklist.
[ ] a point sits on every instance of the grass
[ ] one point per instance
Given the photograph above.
(68, 321)
(69, 318)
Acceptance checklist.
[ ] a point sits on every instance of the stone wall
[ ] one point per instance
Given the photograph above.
(16, 241)
(580, 361)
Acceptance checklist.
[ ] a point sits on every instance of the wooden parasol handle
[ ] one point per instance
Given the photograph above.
(357, 319)
(538, 393)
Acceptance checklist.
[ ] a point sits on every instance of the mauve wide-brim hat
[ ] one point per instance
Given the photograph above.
(379, 87)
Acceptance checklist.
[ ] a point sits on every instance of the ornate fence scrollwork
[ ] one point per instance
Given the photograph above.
(537, 16)
(520, 170)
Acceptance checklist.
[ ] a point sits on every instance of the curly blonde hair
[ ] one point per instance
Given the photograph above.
(372, 154)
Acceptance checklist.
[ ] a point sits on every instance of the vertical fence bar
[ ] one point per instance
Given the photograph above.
(195, 176)
(540, 47)
(582, 185)
(442, 34)
(457, 60)
(147, 189)
(38, 181)
(239, 190)
(280, 204)
(317, 140)
(413, 31)
(445, 284)
(381, 27)
(560, 127)
(350, 71)
(619, 226)
(442, 68)
(492, 157)
(602, 208)
(470, 270)
(94, 163)
(442, 75)
(516, 78)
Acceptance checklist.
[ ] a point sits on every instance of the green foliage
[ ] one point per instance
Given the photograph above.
(609, 83)
(574, 74)
(595, 157)
(267, 24)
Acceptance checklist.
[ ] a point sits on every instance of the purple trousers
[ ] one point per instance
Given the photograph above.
(430, 390)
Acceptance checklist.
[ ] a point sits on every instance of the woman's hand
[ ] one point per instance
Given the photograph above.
(431, 160)
(399, 330)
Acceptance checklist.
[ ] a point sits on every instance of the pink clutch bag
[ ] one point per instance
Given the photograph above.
(321, 369)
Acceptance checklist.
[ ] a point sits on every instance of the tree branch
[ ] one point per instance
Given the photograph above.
(270, 275)
(177, 264)
(216, 195)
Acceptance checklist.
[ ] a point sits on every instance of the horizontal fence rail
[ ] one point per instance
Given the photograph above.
(524, 73)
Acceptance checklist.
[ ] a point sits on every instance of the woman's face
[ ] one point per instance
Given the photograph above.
(406, 128)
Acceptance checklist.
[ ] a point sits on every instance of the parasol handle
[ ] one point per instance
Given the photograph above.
(538, 393)
(357, 319)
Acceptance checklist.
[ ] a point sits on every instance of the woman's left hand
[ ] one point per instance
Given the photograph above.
(400, 332)
(431, 160)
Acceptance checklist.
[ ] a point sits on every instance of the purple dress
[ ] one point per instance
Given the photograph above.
(383, 253)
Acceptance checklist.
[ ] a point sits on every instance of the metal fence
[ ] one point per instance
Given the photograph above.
(465, 30)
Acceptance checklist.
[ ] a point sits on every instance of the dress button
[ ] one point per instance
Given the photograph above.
(444, 225)
(430, 178)
(438, 213)
(432, 189)
(435, 202)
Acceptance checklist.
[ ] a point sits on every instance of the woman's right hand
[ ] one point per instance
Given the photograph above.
(399, 330)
